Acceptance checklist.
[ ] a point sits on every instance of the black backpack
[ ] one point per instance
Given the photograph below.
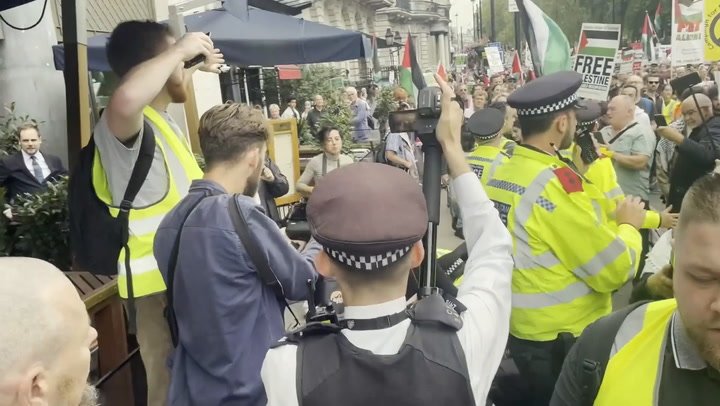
(96, 237)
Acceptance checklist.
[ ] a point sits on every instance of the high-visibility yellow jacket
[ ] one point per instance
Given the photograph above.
(601, 173)
(568, 257)
(484, 161)
(144, 221)
(634, 370)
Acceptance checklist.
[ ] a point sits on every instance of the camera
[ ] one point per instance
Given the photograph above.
(422, 120)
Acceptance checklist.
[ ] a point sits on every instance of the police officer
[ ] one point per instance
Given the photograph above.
(568, 257)
(601, 172)
(386, 354)
(666, 352)
(488, 155)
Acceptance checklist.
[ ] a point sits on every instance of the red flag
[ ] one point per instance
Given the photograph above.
(441, 71)
(517, 67)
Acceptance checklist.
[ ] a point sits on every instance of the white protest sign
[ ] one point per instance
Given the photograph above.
(595, 59)
(495, 61)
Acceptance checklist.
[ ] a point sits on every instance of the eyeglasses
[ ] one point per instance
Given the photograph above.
(653, 83)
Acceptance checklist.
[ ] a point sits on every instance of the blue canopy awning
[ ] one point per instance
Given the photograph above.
(266, 39)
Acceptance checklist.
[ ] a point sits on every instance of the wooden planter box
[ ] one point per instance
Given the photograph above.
(100, 295)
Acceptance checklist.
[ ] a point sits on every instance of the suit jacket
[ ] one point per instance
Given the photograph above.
(17, 179)
(268, 191)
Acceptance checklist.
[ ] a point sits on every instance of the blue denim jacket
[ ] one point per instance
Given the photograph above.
(227, 319)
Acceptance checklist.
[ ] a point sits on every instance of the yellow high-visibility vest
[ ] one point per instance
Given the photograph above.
(144, 222)
(568, 257)
(634, 369)
(484, 161)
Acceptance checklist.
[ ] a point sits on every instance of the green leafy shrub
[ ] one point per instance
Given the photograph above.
(42, 228)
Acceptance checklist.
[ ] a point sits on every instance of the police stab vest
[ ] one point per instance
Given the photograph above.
(429, 369)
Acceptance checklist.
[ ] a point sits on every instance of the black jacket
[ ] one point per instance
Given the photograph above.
(17, 179)
(695, 157)
(314, 118)
(269, 191)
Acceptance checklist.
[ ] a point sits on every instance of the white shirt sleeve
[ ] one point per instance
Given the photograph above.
(486, 285)
(278, 376)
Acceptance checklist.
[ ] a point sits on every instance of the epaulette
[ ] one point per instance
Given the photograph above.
(434, 310)
(570, 181)
(308, 330)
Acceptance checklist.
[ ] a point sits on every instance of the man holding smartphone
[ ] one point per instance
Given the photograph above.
(150, 64)
(696, 153)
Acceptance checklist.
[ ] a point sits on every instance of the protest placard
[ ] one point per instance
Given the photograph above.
(595, 59)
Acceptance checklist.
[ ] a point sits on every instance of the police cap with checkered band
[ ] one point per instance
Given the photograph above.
(367, 216)
(547, 94)
(485, 124)
(587, 117)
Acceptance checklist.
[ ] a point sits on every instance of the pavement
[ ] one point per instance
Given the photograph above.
(446, 235)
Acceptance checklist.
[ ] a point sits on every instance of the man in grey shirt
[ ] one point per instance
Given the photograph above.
(630, 148)
(150, 63)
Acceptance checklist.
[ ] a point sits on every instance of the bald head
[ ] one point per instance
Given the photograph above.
(695, 114)
(43, 328)
(621, 112)
(33, 294)
(702, 101)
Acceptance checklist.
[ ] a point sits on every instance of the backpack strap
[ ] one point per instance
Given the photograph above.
(137, 179)
(172, 265)
(594, 350)
(267, 276)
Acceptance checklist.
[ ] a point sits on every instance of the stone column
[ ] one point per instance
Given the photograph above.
(28, 76)
(443, 51)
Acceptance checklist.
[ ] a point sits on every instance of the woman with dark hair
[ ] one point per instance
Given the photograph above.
(330, 159)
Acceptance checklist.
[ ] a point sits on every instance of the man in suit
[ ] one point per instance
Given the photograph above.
(29, 170)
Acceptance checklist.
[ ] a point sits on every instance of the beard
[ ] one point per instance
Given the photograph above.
(709, 350)
(567, 139)
(89, 397)
(253, 182)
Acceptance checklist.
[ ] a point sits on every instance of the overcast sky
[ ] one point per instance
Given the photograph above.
(463, 9)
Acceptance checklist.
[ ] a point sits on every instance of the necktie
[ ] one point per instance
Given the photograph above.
(37, 170)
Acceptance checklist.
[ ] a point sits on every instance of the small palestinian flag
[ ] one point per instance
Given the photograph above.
(648, 39)
(411, 76)
(598, 43)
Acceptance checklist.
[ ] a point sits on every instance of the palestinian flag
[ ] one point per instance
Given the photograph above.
(517, 68)
(411, 77)
(549, 47)
(598, 43)
(658, 17)
(648, 35)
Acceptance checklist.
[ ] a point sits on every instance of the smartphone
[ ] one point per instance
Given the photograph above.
(588, 154)
(196, 60)
(402, 121)
(660, 120)
(683, 83)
